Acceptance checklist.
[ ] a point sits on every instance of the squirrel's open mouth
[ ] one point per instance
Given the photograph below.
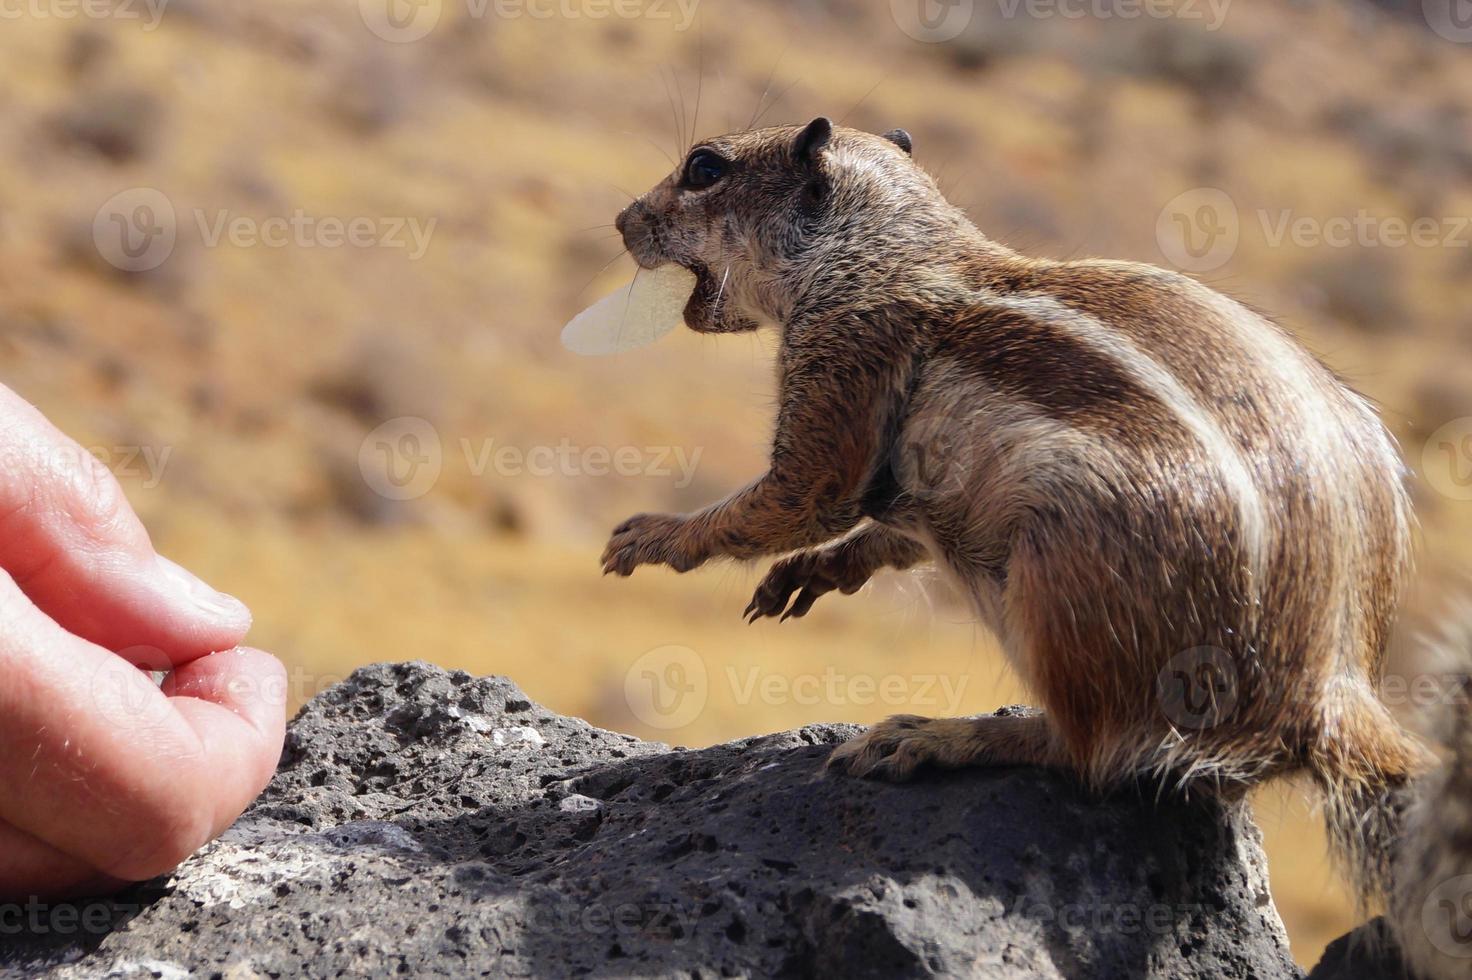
(702, 274)
(700, 312)
(710, 309)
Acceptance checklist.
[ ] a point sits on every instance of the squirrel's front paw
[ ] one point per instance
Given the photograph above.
(815, 573)
(650, 539)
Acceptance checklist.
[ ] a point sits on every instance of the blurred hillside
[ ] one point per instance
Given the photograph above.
(240, 244)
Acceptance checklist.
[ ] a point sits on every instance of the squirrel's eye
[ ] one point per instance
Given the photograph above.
(703, 169)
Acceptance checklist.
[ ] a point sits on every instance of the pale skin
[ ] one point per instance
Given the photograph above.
(110, 778)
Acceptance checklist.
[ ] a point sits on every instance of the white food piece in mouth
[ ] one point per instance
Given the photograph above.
(639, 314)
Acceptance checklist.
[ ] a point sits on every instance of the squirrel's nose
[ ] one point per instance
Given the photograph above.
(628, 214)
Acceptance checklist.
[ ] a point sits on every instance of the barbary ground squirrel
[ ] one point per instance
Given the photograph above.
(1130, 475)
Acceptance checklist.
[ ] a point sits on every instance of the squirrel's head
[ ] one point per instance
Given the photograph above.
(764, 217)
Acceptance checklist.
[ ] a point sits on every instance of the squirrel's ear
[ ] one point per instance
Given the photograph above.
(901, 139)
(812, 139)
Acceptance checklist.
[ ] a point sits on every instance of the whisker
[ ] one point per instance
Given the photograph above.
(662, 151)
(768, 86)
(775, 100)
(680, 121)
(716, 306)
(725, 91)
(699, 84)
(621, 254)
(670, 98)
(628, 301)
(872, 88)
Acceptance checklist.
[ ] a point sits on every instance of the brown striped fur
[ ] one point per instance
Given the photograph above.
(1135, 478)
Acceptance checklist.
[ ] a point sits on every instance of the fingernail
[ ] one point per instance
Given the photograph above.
(217, 604)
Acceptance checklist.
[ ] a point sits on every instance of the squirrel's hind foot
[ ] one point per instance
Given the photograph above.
(896, 748)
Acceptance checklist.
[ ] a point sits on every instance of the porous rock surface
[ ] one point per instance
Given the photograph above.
(428, 823)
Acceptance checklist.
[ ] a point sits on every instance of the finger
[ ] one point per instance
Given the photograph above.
(235, 702)
(87, 734)
(70, 540)
(30, 868)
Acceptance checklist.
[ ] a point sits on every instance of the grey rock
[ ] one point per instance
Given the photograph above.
(402, 835)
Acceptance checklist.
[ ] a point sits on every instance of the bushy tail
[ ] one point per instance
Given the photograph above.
(1431, 877)
(1368, 769)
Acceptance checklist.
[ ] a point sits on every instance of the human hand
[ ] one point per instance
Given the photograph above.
(108, 778)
